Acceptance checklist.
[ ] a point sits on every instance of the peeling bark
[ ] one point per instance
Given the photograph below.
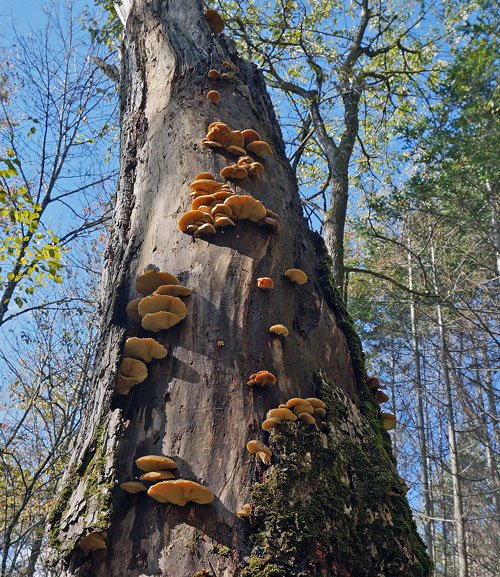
(195, 405)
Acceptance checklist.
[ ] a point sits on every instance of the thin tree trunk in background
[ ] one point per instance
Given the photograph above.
(458, 513)
(491, 395)
(313, 509)
(424, 463)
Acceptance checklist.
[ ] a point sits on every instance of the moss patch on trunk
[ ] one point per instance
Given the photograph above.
(324, 511)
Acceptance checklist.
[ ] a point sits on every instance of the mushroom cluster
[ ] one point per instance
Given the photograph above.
(388, 419)
(216, 205)
(246, 166)
(158, 309)
(240, 142)
(260, 450)
(157, 472)
(261, 378)
(310, 411)
(224, 74)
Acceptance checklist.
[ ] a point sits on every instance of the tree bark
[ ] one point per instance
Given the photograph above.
(324, 489)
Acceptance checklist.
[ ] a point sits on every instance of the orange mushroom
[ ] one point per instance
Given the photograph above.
(261, 378)
(265, 283)
(213, 96)
(214, 21)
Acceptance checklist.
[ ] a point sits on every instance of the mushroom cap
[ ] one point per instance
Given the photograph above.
(204, 176)
(260, 148)
(264, 457)
(220, 132)
(179, 492)
(237, 139)
(256, 168)
(223, 194)
(213, 96)
(316, 403)
(214, 21)
(131, 372)
(225, 76)
(373, 383)
(211, 143)
(189, 218)
(173, 290)
(203, 200)
(255, 446)
(299, 409)
(212, 73)
(144, 349)
(269, 424)
(221, 221)
(247, 207)
(148, 282)
(235, 149)
(207, 185)
(262, 378)
(207, 228)
(133, 487)
(153, 463)
(132, 310)
(245, 511)
(92, 542)
(293, 402)
(380, 397)
(250, 135)
(244, 161)
(307, 418)
(283, 414)
(279, 330)
(233, 171)
(154, 476)
(389, 421)
(296, 275)
(159, 302)
(265, 283)
(320, 412)
(160, 312)
(222, 209)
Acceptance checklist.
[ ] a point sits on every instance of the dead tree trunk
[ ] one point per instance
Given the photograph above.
(331, 503)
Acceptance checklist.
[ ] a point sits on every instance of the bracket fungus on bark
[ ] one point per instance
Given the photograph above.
(180, 492)
(173, 290)
(92, 542)
(150, 463)
(149, 281)
(260, 450)
(389, 421)
(380, 397)
(213, 96)
(296, 275)
(245, 512)
(260, 148)
(155, 476)
(130, 373)
(280, 330)
(246, 207)
(261, 378)
(214, 20)
(213, 73)
(265, 283)
(132, 311)
(161, 312)
(144, 349)
(309, 411)
(133, 487)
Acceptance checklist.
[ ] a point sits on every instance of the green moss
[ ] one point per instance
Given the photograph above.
(92, 475)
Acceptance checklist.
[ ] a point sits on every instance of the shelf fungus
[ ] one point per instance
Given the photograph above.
(269, 424)
(245, 512)
(260, 148)
(380, 397)
(161, 312)
(281, 414)
(214, 20)
(144, 349)
(265, 283)
(150, 463)
(92, 542)
(213, 73)
(213, 96)
(155, 476)
(196, 223)
(250, 135)
(261, 378)
(130, 373)
(280, 330)
(133, 487)
(260, 450)
(220, 135)
(296, 275)
(180, 492)
(149, 281)
(131, 310)
(173, 290)
(374, 383)
(389, 421)
(246, 207)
